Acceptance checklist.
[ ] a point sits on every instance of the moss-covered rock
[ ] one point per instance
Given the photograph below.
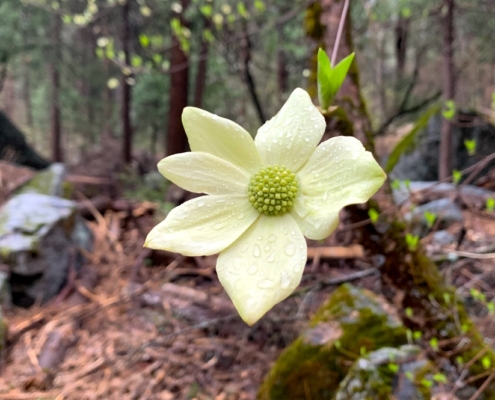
(351, 322)
(49, 182)
(387, 373)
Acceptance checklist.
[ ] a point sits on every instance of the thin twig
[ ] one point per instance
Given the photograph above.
(339, 32)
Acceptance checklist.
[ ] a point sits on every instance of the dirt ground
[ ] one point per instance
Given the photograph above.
(136, 324)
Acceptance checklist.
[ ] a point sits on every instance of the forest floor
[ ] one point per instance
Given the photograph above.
(140, 324)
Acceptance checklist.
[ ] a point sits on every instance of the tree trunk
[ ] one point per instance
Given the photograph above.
(448, 88)
(179, 85)
(401, 36)
(202, 67)
(409, 278)
(248, 77)
(54, 68)
(282, 72)
(126, 87)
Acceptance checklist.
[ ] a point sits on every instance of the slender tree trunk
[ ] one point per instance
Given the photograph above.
(282, 72)
(126, 87)
(107, 132)
(54, 69)
(179, 85)
(248, 77)
(445, 157)
(401, 39)
(202, 68)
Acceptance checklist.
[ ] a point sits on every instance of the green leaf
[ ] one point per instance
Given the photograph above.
(470, 146)
(259, 5)
(490, 204)
(144, 40)
(440, 378)
(434, 343)
(430, 218)
(456, 176)
(412, 241)
(329, 78)
(409, 140)
(449, 110)
(136, 61)
(373, 214)
(208, 36)
(394, 368)
(486, 362)
(242, 10)
(206, 10)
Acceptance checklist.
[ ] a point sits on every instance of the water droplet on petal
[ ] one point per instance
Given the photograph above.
(284, 280)
(256, 251)
(252, 269)
(272, 237)
(290, 250)
(267, 247)
(266, 284)
(297, 268)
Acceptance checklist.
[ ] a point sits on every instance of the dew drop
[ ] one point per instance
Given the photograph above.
(272, 237)
(219, 225)
(259, 237)
(290, 250)
(256, 251)
(284, 280)
(201, 203)
(252, 269)
(267, 247)
(241, 216)
(271, 258)
(296, 268)
(266, 284)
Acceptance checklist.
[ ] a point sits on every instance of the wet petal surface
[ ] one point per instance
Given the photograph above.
(340, 172)
(221, 137)
(290, 137)
(203, 226)
(263, 266)
(204, 173)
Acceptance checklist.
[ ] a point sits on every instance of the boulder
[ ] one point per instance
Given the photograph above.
(352, 322)
(39, 240)
(387, 373)
(445, 210)
(421, 164)
(48, 182)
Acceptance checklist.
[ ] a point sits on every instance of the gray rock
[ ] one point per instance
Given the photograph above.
(385, 373)
(402, 193)
(48, 182)
(39, 240)
(442, 238)
(445, 210)
(421, 164)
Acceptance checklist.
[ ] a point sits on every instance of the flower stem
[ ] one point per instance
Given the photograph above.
(339, 32)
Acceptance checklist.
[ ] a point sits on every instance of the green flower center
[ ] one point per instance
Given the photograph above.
(273, 189)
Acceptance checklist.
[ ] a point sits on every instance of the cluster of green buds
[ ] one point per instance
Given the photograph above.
(272, 190)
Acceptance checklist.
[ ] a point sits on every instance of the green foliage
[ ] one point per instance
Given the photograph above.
(412, 241)
(490, 204)
(330, 78)
(373, 214)
(470, 146)
(449, 110)
(456, 176)
(408, 141)
(430, 218)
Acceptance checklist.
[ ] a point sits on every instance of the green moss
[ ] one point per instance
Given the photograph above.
(314, 365)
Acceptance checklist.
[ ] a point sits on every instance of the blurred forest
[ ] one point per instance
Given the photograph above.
(100, 85)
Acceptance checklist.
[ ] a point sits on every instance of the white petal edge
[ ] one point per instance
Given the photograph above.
(204, 173)
(221, 137)
(263, 266)
(291, 136)
(340, 172)
(203, 226)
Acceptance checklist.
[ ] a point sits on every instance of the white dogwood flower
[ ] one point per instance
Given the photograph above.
(264, 196)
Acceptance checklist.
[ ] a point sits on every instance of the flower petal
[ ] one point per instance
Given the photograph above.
(204, 173)
(263, 266)
(203, 226)
(291, 136)
(221, 137)
(340, 172)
